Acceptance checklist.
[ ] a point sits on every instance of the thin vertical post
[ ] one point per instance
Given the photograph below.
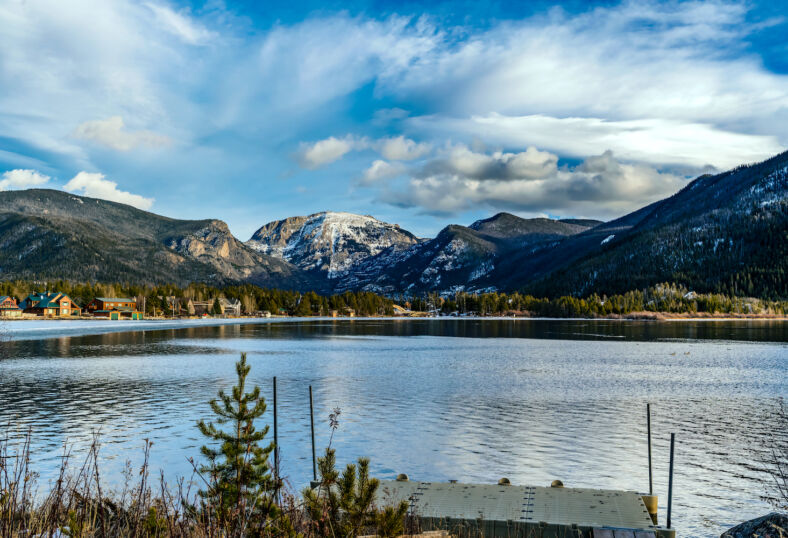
(312, 424)
(670, 478)
(648, 428)
(276, 437)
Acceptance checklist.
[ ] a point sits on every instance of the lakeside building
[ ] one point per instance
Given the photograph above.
(114, 308)
(180, 306)
(50, 305)
(202, 308)
(229, 307)
(9, 308)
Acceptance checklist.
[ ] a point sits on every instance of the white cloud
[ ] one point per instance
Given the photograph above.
(658, 83)
(326, 151)
(181, 25)
(461, 160)
(112, 133)
(636, 60)
(316, 154)
(96, 186)
(600, 186)
(302, 66)
(655, 141)
(22, 179)
(400, 148)
(380, 170)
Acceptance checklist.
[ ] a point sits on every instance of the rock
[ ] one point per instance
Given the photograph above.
(774, 525)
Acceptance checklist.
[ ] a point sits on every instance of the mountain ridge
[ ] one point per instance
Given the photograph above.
(329, 242)
(726, 232)
(61, 235)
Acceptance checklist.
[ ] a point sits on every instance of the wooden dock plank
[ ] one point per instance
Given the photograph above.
(621, 533)
(645, 534)
(603, 533)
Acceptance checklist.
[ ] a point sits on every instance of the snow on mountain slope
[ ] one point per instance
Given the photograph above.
(329, 242)
(459, 258)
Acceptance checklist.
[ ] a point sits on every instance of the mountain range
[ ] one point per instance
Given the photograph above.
(726, 232)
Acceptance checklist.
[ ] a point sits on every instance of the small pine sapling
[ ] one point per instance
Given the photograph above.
(240, 490)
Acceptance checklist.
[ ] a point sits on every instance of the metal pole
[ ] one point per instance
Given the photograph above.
(670, 478)
(312, 424)
(648, 427)
(276, 437)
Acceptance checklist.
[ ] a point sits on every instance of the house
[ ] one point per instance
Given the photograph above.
(230, 307)
(9, 308)
(174, 304)
(50, 305)
(114, 308)
(202, 308)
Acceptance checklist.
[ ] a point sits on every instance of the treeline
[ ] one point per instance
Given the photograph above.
(739, 251)
(668, 298)
(253, 298)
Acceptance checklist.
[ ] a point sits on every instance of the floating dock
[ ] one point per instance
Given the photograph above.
(508, 511)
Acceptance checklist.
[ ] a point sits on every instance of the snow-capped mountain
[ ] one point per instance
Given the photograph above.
(723, 232)
(330, 243)
(459, 257)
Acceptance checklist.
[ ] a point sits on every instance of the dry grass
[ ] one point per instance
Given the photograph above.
(77, 505)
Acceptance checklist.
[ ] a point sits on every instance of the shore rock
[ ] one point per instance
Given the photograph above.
(774, 525)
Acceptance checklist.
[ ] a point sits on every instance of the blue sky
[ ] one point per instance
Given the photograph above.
(417, 113)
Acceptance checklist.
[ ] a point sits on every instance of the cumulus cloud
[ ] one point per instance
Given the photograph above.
(600, 186)
(381, 170)
(400, 148)
(22, 179)
(327, 151)
(96, 185)
(316, 154)
(463, 161)
(112, 133)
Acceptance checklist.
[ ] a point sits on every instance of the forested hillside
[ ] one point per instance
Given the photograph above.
(726, 233)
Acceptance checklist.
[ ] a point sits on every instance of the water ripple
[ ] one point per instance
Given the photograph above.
(464, 399)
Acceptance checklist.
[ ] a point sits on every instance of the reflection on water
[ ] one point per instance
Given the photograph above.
(457, 399)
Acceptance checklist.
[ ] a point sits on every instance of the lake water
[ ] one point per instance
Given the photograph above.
(440, 399)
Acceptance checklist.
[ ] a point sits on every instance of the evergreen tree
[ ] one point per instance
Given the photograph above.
(241, 488)
(343, 505)
(216, 310)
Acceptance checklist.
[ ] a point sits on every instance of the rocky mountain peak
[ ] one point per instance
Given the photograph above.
(329, 242)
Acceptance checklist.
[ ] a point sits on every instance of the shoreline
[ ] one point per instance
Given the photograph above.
(632, 316)
(39, 329)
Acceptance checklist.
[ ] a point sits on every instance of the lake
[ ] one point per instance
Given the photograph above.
(439, 399)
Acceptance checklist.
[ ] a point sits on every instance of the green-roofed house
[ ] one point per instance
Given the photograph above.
(114, 308)
(50, 305)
